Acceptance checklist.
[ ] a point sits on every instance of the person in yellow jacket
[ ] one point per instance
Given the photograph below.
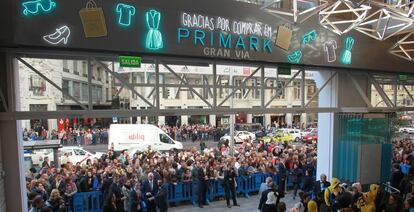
(331, 192)
(312, 206)
(367, 202)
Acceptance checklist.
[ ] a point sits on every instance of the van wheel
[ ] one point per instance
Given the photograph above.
(297, 139)
(174, 149)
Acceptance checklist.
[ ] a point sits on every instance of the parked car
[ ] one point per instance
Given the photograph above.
(409, 130)
(309, 138)
(39, 155)
(255, 128)
(309, 131)
(279, 137)
(140, 136)
(239, 137)
(297, 136)
(78, 154)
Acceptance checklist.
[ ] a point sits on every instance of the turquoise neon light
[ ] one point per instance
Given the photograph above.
(181, 35)
(254, 43)
(125, 13)
(295, 56)
(224, 43)
(346, 55)
(266, 45)
(37, 6)
(240, 43)
(153, 40)
(308, 37)
(198, 38)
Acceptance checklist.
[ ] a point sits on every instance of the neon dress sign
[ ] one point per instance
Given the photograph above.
(37, 7)
(153, 39)
(346, 55)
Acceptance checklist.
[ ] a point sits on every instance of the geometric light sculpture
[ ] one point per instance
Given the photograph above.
(404, 48)
(342, 16)
(295, 11)
(37, 6)
(403, 7)
(153, 39)
(383, 24)
(61, 35)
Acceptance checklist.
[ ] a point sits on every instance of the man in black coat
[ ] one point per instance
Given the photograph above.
(134, 202)
(150, 189)
(83, 182)
(203, 181)
(161, 198)
(281, 170)
(320, 185)
(116, 190)
(229, 184)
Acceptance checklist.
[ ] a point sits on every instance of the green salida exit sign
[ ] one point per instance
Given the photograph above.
(130, 61)
(284, 70)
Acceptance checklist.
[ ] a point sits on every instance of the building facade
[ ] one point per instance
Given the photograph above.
(36, 94)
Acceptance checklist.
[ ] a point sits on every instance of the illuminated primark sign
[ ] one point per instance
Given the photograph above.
(222, 37)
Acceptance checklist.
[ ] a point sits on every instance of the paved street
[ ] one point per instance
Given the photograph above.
(187, 145)
(247, 205)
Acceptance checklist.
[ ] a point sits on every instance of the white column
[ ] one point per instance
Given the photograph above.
(161, 120)
(212, 120)
(267, 120)
(327, 98)
(184, 120)
(249, 118)
(138, 120)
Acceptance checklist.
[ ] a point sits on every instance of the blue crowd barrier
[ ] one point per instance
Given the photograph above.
(87, 201)
(187, 191)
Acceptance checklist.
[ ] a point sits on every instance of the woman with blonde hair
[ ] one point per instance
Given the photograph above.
(55, 202)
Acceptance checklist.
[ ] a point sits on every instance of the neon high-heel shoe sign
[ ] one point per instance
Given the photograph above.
(37, 7)
(60, 36)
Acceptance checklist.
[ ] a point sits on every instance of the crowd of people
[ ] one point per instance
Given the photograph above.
(132, 180)
(70, 136)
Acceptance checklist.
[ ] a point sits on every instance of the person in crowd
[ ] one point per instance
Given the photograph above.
(115, 190)
(69, 191)
(126, 189)
(281, 207)
(55, 202)
(356, 196)
(331, 193)
(296, 178)
(161, 199)
(39, 205)
(150, 189)
(320, 185)
(409, 205)
(203, 181)
(405, 166)
(270, 199)
(229, 184)
(264, 186)
(110, 204)
(393, 203)
(134, 199)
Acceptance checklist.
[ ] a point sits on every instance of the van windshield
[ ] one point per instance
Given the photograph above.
(165, 139)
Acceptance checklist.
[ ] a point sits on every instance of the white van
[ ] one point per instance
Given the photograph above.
(139, 137)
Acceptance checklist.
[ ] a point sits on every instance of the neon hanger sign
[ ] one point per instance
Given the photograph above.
(60, 36)
(153, 39)
(125, 13)
(346, 55)
(37, 6)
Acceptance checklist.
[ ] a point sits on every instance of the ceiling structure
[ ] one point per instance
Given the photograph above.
(379, 20)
